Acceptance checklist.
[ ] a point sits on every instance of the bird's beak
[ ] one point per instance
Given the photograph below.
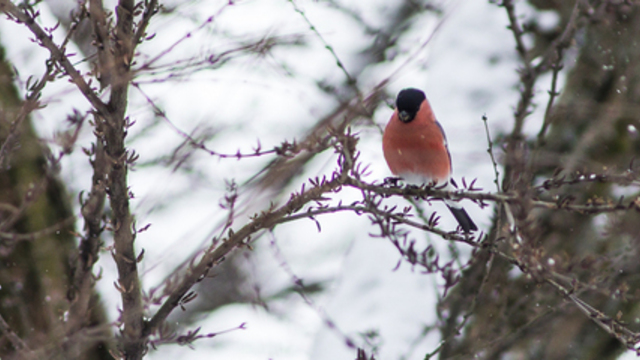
(404, 116)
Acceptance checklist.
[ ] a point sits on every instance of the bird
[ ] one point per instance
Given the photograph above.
(415, 148)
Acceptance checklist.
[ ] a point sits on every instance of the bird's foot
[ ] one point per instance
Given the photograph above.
(392, 181)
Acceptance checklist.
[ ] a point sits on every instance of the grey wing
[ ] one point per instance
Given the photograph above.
(444, 137)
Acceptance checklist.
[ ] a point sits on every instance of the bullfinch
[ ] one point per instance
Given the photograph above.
(415, 148)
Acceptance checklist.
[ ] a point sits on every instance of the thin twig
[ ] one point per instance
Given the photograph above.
(5, 236)
(496, 173)
(13, 338)
(350, 79)
(299, 286)
(56, 54)
(282, 150)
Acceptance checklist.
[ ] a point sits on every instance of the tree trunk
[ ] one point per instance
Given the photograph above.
(37, 244)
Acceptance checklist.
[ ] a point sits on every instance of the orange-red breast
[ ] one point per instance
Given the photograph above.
(415, 147)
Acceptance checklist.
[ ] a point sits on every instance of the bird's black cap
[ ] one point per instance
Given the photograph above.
(408, 103)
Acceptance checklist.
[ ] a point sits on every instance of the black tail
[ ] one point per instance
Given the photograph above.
(463, 218)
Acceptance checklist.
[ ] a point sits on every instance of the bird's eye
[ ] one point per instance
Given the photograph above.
(405, 116)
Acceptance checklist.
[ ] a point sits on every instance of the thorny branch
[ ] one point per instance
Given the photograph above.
(286, 149)
(515, 162)
(115, 55)
(93, 214)
(313, 201)
(30, 104)
(58, 55)
(263, 221)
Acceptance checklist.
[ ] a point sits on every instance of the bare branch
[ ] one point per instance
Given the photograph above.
(57, 55)
(17, 343)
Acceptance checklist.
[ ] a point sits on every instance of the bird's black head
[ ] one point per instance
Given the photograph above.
(408, 103)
